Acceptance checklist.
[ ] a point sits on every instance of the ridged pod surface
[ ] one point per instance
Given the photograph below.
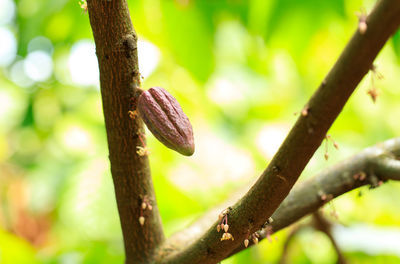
(165, 118)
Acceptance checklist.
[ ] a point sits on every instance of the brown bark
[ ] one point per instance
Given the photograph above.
(371, 166)
(379, 163)
(116, 49)
(274, 184)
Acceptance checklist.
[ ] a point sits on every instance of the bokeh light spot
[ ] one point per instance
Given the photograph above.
(83, 65)
(8, 46)
(38, 65)
(7, 11)
(149, 56)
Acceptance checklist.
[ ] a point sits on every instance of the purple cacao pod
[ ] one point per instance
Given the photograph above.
(165, 118)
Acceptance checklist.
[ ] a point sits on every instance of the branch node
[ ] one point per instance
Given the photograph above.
(129, 41)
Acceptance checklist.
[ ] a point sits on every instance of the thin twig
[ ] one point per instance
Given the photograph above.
(322, 224)
(285, 249)
(319, 223)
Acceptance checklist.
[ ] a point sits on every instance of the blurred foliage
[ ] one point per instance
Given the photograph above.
(240, 69)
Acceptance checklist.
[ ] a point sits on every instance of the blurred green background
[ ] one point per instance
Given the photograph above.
(240, 70)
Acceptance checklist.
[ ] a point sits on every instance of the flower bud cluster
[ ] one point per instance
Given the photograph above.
(223, 225)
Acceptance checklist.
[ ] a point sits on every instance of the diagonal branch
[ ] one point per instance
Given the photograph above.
(379, 163)
(116, 49)
(371, 167)
(274, 184)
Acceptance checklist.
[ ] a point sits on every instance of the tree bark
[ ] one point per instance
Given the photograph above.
(274, 184)
(378, 163)
(372, 166)
(116, 49)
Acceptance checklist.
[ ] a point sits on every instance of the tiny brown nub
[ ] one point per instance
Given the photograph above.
(165, 118)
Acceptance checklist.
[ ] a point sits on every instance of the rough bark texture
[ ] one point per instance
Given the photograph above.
(379, 163)
(252, 211)
(116, 49)
(366, 168)
(371, 166)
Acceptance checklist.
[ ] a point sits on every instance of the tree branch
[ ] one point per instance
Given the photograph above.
(319, 223)
(285, 249)
(116, 49)
(274, 184)
(322, 224)
(369, 167)
(308, 196)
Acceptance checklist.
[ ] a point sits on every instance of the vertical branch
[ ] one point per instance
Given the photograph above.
(116, 49)
(319, 223)
(285, 250)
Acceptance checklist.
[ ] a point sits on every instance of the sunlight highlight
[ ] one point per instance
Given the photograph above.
(82, 63)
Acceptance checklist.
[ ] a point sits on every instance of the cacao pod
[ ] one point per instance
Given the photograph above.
(165, 118)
